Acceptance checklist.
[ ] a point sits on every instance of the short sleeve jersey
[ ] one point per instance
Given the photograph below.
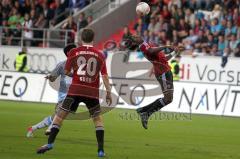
(159, 60)
(87, 63)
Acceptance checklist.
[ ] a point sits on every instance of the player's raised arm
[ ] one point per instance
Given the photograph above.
(175, 52)
(138, 41)
(172, 54)
(154, 50)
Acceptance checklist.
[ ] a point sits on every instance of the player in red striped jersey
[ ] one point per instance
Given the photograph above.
(87, 63)
(162, 72)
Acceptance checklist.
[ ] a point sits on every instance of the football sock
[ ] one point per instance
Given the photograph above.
(53, 133)
(49, 127)
(157, 105)
(153, 107)
(100, 137)
(44, 123)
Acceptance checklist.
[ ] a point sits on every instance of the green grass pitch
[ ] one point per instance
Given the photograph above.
(204, 137)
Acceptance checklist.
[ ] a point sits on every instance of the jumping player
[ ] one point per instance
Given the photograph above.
(86, 63)
(65, 82)
(162, 73)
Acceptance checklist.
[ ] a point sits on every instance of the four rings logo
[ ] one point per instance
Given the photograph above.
(41, 63)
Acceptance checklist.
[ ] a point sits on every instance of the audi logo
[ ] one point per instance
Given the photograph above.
(41, 63)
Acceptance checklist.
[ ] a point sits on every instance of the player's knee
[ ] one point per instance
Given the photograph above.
(62, 114)
(98, 121)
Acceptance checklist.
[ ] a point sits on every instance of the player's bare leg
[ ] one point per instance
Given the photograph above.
(47, 132)
(48, 121)
(57, 122)
(147, 111)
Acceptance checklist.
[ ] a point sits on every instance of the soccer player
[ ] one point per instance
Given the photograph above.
(87, 63)
(162, 72)
(65, 82)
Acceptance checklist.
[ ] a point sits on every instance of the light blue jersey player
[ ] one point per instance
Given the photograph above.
(65, 82)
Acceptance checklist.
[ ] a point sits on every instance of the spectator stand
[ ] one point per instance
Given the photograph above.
(35, 17)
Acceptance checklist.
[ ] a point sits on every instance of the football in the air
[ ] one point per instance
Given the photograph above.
(142, 8)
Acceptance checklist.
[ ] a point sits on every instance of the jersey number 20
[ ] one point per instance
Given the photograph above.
(86, 67)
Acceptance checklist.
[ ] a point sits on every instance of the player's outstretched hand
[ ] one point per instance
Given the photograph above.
(50, 78)
(109, 98)
(170, 47)
(47, 77)
(179, 49)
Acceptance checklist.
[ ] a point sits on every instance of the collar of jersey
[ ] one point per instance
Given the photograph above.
(87, 45)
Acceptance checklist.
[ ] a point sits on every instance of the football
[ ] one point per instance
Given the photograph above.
(142, 8)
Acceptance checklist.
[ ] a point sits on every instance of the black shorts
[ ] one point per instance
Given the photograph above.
(166, 81)
(71, 103)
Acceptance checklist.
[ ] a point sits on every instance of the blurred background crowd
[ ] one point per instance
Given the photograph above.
(38, 14)
(204, 27)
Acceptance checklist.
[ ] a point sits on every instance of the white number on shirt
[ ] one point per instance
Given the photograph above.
(86, 67)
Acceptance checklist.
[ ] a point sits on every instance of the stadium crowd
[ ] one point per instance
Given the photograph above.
(38, 14)
(202, 26)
